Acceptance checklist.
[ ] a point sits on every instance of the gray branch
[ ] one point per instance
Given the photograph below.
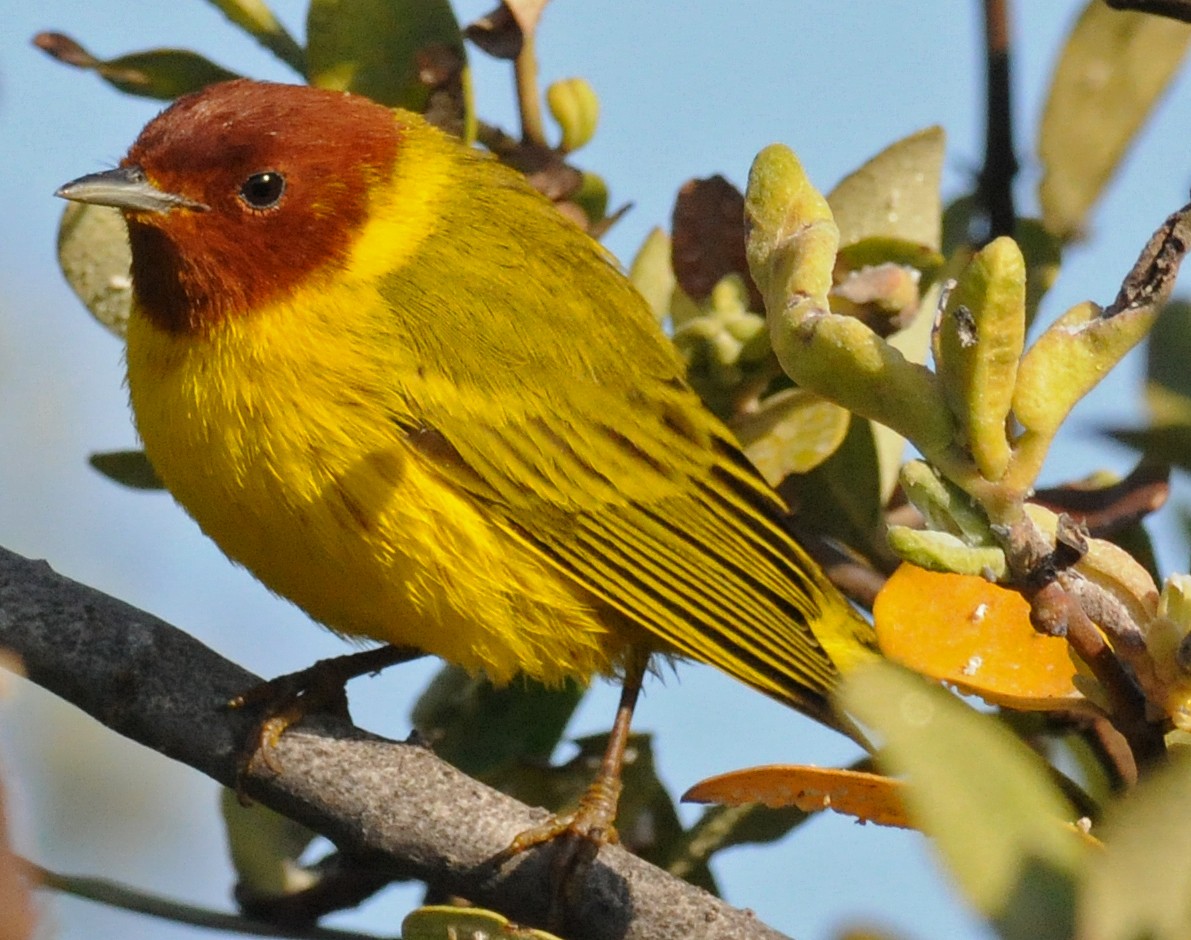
(154, 684)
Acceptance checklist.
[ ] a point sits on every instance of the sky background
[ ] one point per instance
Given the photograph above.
(687, 89)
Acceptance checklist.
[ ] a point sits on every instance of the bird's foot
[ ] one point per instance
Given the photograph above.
(288, 699)
(592, 821)
(578, 836)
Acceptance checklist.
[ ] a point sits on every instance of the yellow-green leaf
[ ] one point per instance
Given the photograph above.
(652, 273)
(256, 19)
(978, 344)
(442, 922)
(265, 848)
(793, 431)
(1140, 885)
(895, 194)
(986, 800)
(1069, 360)
(94, 256)
(1112, 71)
(576, 108)
(792, 244)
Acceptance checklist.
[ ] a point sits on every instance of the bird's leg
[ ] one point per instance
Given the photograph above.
(590, 826)
(288, 699)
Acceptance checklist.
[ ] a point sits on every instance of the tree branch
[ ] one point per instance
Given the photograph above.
(419, 816)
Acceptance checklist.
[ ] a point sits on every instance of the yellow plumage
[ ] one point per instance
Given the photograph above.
(463, 431)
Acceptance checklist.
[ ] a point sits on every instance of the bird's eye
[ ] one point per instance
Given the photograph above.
(263, 190)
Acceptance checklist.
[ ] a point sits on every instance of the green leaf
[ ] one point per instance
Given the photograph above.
(130, 468)
(881, 249)
(1166, 443)
(592, 197)
(979, 338)
(442, 922)
(841, 496)
(157, 73)
(1168, 389)
(913, 342)
(1044, 254)
(652, 274)
(894, 195)
(477, 727)
(402, 53)
(265, 848)
(1112, 71)
(1042, 250)
(95, 259)
(1168, 350)
(1139, 885)
(793, 431)
(256, 19)
(985, 799)
(721, 827)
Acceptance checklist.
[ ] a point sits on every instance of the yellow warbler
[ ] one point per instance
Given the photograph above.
(386, 376)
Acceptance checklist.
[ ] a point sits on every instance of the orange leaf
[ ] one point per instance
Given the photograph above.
(868, 797)
(977, 636)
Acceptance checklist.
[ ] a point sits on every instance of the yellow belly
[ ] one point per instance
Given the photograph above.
(291, 460)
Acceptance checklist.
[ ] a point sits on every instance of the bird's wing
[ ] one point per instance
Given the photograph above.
(578, 432)
(650, 507)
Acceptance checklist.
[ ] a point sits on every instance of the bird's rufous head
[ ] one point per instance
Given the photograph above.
(236, 195)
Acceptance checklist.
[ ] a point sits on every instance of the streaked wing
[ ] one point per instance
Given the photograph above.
(651, 508)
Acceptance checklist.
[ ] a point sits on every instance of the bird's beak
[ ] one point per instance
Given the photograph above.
(125, 188)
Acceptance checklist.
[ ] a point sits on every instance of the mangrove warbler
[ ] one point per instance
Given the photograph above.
(386, 376)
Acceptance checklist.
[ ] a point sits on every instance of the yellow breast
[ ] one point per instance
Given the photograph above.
(281, 434)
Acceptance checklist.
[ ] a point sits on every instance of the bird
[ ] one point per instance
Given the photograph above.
(391, 380)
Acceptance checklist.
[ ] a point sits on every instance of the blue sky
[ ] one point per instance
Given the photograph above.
(686, 90)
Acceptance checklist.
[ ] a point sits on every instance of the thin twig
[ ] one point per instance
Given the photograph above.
(529, 99)
(104, 891)
(995, 189)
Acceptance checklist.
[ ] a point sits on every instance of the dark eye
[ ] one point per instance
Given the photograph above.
(263, 190)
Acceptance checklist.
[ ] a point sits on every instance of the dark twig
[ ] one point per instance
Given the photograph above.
(104, 891)
(1108, 509)
(1173, 9)
(1057, 612)
(150, 682)
(1152, 277)
(1059, 600)
(995, 190)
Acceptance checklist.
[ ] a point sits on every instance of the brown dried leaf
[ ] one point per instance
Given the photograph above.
(866, 796)
(502, 32)
(708, 238)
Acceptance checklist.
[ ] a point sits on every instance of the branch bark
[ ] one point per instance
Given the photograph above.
(150, 682)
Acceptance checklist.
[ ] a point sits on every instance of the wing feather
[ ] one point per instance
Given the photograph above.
(578, 433)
